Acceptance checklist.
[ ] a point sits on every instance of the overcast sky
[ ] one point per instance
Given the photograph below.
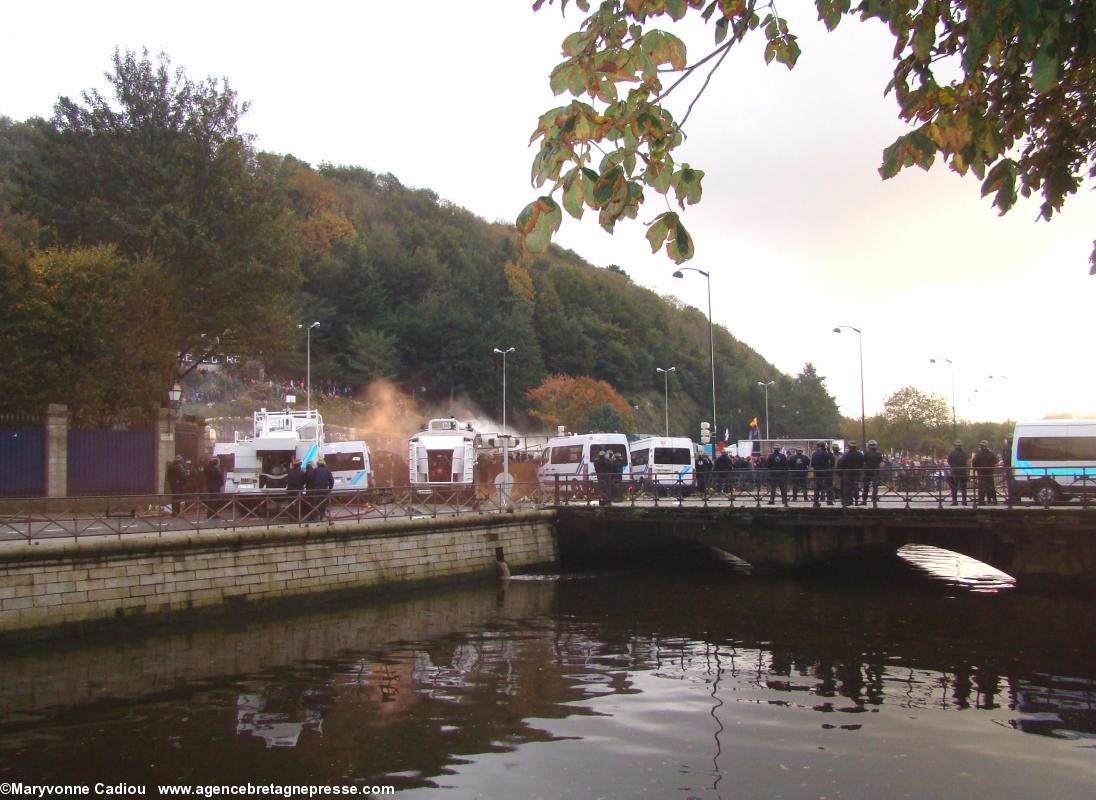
(797, 229)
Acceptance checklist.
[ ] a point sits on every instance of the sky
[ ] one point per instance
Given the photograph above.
(796, 228)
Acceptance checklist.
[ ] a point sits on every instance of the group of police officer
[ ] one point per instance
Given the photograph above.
(856, 474)
(309, 489)
(852, 475)
(984, 464)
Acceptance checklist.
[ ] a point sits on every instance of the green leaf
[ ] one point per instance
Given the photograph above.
(608, 185)
(1044, 72)
(721, 26)
(680, 248)
(561, 77)
(912, 148)
(664, 48)
(1001, 180)
(577, 43)
(658, 230)
(574, 193)
(770, 50)
(538, 221)
(677, 9)
(659, 175)
(831, 11)
(788, 51)
(686, 183)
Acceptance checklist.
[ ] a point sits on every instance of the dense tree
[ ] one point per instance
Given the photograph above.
(84, 327)
(606, 419)
(161, 172)
(910, 405)
(811, 404)
(570, 401)
(913, 420)
(1020, 115)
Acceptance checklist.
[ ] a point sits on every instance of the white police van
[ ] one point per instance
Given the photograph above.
(443, 455)
(259, 462)
(570, 459)
(1054, 459)
(664, 462)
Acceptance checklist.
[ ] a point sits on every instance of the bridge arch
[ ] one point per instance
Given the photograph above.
(1027, 544)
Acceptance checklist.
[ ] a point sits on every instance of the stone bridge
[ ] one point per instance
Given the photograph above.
(1031, 545)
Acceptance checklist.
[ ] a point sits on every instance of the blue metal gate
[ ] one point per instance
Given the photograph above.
(112, 462)
(22, 462)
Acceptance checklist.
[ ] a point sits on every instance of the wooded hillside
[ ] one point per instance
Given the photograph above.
(122, 249)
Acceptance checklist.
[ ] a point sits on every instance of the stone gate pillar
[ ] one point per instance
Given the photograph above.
(165, 445)
(57, 426)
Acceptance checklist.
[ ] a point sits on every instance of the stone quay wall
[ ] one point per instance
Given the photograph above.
(52, 585)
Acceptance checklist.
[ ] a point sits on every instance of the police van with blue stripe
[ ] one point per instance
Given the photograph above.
(661, 463)
(1054, 459)
(258, 462)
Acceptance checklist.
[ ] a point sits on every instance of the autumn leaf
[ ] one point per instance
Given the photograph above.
(538, 221)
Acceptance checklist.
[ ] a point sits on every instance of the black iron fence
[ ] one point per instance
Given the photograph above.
(32, 519)
(890, 486)
(37, 519)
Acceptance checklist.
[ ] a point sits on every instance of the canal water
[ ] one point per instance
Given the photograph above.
(678, 683)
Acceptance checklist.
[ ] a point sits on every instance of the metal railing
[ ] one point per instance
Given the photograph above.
(35, 519)
(889, 487)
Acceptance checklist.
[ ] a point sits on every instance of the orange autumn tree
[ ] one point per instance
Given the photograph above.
(569, 401)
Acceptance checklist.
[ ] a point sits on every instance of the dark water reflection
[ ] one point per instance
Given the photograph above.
(608, 685)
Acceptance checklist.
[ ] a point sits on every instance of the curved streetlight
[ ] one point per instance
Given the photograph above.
(766, 385)
(666, 376)
(308, 368)
(954, 418)
(860, 335)
(505, 435)
(711, 337)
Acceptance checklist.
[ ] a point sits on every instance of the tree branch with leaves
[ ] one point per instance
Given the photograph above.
(1020, 117)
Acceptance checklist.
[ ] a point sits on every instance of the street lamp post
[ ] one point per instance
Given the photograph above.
(505, 435)
(954, 417)
(711, 336)
(666, 381)
(308, 362)
(860, 338)
(766, 385)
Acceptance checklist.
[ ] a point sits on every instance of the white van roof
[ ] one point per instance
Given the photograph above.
(663, 441)
(1040, 423)
(593, 438)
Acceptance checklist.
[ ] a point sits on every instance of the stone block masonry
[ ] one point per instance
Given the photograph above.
(50, 585)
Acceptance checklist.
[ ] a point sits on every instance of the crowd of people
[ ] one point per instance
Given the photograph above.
(828, 475)
(202, 485)
(221, 386)
(852, 476)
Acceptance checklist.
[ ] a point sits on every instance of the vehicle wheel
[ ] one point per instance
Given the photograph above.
(1047, 493)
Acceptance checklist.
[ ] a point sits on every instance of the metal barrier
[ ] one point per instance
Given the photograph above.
(34, 519)
(890, 487)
